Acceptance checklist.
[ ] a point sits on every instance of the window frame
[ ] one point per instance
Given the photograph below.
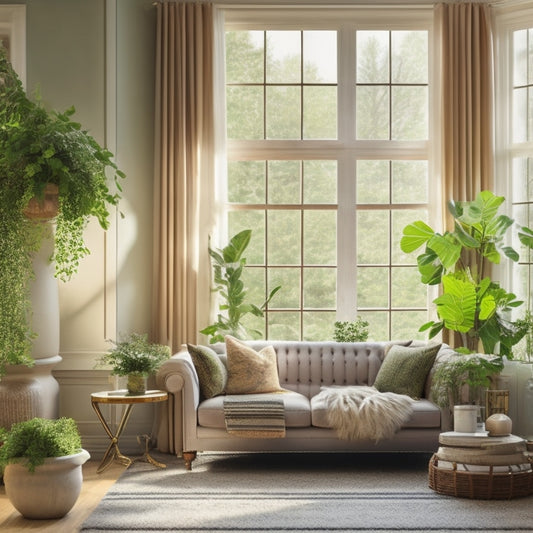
(509, 19)
(347, 150)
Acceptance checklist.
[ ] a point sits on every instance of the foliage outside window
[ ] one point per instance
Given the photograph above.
(327, 166)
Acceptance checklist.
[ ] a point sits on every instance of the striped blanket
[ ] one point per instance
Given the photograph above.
(254, 416)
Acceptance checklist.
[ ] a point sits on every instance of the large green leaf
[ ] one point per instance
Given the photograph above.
(237, 245)
(415, 235)
(464, 237)
(487, 307)
(429, 267)
(491, 253)
(497, 226)
(511, 253)
(447, 248)
(526, 236)
(488, 204)
(457, 305)
(489, 333)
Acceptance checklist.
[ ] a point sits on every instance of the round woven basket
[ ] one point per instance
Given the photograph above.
(481, 485)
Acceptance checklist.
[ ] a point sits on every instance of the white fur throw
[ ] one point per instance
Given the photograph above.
(365, 413)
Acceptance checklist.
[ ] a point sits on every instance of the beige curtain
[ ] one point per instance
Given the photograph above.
(466, 106)
(183, 158)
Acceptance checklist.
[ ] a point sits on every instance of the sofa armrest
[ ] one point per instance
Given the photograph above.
(178, 377)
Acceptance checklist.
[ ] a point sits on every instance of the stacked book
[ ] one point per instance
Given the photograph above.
(479, 452)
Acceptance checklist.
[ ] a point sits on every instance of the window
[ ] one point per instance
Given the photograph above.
(328, 160)
(521, 143)
(514, 140)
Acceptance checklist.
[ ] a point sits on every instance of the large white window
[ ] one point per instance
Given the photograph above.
(514, 136)
(328, 127)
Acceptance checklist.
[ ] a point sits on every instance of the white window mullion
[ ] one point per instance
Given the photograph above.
(346, 216)
(346, 240)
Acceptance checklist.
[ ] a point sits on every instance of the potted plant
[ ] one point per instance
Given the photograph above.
(471, 302)
(49, 168)
(474, 371)
(135, 357)
(41, 460)
(354, 331)
(228, 265)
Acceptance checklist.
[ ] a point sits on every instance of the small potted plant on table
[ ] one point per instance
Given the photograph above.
(41, 461)
(135, 357)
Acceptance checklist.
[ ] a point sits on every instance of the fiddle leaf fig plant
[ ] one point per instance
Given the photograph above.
(471, 303)
(42, 151)
(228, 266)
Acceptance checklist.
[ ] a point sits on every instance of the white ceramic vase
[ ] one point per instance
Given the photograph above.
(49, 492)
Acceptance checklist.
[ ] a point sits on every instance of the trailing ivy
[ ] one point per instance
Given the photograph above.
(38, 148)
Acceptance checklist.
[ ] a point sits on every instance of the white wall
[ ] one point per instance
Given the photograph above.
(98, 55)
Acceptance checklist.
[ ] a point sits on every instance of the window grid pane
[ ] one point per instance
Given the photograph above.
(391, 85)
(522, 167)
(293, 241)
(291, 202)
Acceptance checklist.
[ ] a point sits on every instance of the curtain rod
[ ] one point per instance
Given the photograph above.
(341, 3)
(277, 4)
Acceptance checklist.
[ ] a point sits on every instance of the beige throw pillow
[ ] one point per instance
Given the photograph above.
(250, 372)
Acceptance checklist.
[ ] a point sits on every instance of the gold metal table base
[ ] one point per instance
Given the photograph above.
(113, 453)
(146, 457)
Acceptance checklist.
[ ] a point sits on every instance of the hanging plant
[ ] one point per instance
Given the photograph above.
(46, 159)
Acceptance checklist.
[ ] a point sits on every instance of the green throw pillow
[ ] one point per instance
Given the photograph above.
(211, 371)
(405, 369)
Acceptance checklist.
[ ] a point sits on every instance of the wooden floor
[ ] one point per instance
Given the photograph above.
(94, 488)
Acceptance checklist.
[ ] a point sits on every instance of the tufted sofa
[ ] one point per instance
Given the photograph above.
(189, 424)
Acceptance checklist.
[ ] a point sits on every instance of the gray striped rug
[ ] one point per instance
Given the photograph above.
(296, 493)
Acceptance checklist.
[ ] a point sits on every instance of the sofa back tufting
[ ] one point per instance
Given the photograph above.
(304, 367)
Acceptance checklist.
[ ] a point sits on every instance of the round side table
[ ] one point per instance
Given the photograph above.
(122, 397)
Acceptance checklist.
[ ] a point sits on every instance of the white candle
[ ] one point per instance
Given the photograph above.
(465, 418)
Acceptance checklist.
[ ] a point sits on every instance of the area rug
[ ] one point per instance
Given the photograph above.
(296, 493)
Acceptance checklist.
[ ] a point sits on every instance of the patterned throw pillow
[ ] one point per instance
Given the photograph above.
(211, 371)
(405, 369)
(250, 372)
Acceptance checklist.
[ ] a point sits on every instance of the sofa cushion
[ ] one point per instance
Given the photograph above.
(250, 372)
(425, 414)
(405, 369)
(297, 410)
(212, 373)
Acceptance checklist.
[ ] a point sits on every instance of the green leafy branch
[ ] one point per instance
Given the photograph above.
(228, 266)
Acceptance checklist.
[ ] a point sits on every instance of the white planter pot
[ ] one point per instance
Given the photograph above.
(49, 492)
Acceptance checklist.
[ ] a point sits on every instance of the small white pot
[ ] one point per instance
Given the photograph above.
(49, 492)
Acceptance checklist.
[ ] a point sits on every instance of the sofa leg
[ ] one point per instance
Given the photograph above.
(188, 457)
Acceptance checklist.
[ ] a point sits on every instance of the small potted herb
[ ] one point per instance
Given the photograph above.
(474, 371)
(135, 357)
(41, 461)
(354, 331)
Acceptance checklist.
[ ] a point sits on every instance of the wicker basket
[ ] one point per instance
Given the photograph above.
(487, 485)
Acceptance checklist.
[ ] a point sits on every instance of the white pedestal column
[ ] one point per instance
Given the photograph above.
(28, 392)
